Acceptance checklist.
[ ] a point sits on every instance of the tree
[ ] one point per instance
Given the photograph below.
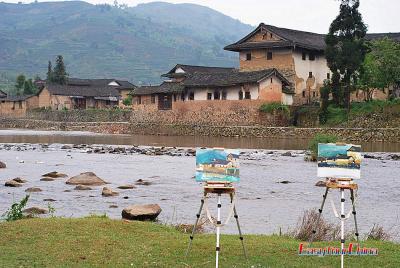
(325, 90)
(345, 50)
(60, 75)
(29, 87)
(381, 66)
(19, 84)
(49, 76)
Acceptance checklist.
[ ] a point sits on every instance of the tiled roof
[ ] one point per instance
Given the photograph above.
(232, 78)
(188, 69)
(294, 38)
(83, 90)
(99, 82)
(3, 94)
(17, 98)
(216, 78)
(165, 87)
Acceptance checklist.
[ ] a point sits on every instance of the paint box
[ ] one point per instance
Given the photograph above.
(339, 161)
(217, 165)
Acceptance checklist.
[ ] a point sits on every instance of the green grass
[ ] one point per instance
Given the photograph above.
(337, 115)
(274, 106)
(101, 242)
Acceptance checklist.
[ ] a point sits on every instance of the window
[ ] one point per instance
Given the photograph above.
(314, 94)
(328, 76)
(240, 95)
(139, 100)
(191, 96)
(216, 95)
(309, 74)
(247, 95)
(271, 80)
(311, 57)
(248, 56)
(153, 98)
(175, 97)
(304, 93)
(209, 96)
(224, 95)
(182, 96)
(270, 35)
(20, 103)
(303, 56)
(269, 55)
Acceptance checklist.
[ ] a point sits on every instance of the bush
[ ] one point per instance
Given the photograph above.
(378, 233)
(273, 107)
(15, 212)
(127, 101)
(320, 138)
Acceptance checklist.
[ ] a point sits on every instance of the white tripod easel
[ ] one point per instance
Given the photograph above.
(219, 189)
(341, 184)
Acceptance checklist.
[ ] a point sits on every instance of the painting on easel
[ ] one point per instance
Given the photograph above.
(220, 165)
(339, 160)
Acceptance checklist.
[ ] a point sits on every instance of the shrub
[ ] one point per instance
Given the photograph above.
(320, 138)
(273, 107)
(324, 231)
(127, 101)
(378, 233)
(15, 212)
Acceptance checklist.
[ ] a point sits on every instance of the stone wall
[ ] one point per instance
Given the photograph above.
(345, 134)
(89, 115)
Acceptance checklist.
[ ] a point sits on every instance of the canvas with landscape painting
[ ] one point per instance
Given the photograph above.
(220, 165)
(339, 160)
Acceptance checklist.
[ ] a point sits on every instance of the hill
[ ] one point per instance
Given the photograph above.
(135, 43)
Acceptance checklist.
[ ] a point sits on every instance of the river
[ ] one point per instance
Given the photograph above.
(264, 205)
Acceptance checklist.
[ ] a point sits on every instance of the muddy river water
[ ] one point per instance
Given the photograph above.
(264, 205)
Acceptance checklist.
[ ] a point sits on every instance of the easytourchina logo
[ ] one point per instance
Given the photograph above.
(334, 251)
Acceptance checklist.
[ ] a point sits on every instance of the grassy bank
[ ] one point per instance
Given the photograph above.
(101, 242)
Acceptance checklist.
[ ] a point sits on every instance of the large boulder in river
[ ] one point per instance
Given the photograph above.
(108, 192)
(86, 178)
(55, 174)
(13, 183)
(2, 165)
(141, 212)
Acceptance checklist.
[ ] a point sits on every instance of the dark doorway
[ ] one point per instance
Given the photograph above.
(164, 102)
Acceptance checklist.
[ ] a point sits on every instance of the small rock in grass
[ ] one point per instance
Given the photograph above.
(35, 211)
(33, 190)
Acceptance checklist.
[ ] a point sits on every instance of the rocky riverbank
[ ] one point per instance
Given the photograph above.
(345, 134)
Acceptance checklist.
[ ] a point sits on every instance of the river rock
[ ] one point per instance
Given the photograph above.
(82, 188)
(47, 179)
(35, 211)
(33, 190)
(55, 174)
(66, 147)
(142, 182)
(321, 184)
(284, 182)
(108, 192)
(49, 200)
(2, 165)
(395, 157)
(287, 154)
(127, 186)
(86, 178)
(141, 212)
(113, 206)
(20, 180)
(12, 183)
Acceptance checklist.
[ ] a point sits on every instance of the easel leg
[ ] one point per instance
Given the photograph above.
(195, 226)
(355, 217)
(238, 226)
(218, 230)
(342, 219)
(319, 215)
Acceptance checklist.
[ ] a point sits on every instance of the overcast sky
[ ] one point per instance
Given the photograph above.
(308, 15)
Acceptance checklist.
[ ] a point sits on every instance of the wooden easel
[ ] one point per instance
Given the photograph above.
(218, 188)
(342, 184)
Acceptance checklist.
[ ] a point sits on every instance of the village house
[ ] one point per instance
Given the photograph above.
(188, 83)
(16, 106)
(297, 54)
(275, 65)
(84, 94)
